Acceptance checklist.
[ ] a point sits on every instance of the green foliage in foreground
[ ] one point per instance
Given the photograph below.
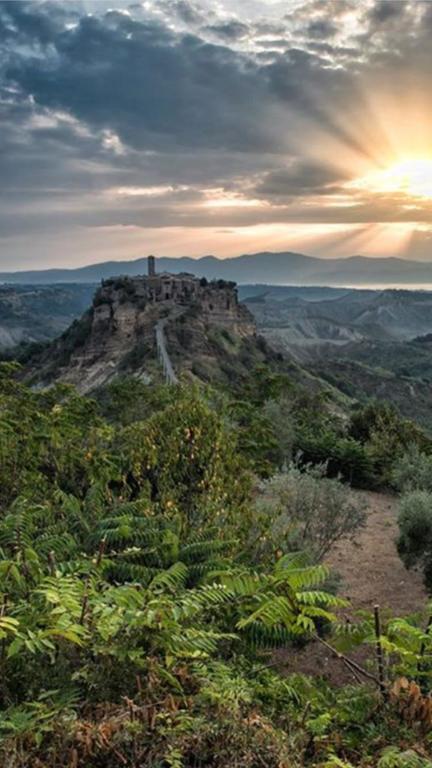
(138, 603)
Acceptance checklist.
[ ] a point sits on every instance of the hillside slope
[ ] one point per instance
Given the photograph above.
(206, 334)
(30, 313)
(367, 344)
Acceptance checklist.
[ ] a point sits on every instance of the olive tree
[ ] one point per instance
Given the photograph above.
(301, 509)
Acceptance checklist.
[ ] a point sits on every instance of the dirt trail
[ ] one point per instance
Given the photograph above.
(370, 567)
(371, 572)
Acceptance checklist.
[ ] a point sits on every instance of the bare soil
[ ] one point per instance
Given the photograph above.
(371, 573)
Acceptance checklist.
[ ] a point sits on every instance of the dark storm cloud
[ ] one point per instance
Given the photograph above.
(149, 86)
(160, 90)
(185, 11)
(35, 23)
(301, 178)
(305, 83)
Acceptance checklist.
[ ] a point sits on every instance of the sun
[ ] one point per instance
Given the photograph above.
(412, 176)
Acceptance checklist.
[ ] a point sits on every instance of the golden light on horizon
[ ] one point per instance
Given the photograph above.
(411, 177)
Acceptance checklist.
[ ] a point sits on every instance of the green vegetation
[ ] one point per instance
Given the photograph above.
(415, 524)
(307, 511)
(144, 587)
(412, 476)
(280, 421)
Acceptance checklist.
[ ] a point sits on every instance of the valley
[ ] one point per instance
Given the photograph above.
(38, 313)
(367, 344)
(361, 343)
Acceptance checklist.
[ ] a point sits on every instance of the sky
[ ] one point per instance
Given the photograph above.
(194, 127)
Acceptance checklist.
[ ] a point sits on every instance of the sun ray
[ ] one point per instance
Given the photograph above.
(410, 176)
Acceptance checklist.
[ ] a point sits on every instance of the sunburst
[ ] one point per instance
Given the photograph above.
(410, 176)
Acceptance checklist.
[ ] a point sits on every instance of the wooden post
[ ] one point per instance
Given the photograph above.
(84, 602)
(379, 650)
(428, 628)
(421, 664)
(51, 562)
(101, 551)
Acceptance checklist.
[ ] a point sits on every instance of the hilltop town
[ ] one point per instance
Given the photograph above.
(151, 325)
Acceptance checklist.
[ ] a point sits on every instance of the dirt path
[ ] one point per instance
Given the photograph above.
(370, 567)
(371, 572)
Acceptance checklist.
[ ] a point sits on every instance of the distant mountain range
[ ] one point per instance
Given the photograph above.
(277, 268)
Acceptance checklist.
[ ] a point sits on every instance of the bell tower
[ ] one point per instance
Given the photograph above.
(151, 266)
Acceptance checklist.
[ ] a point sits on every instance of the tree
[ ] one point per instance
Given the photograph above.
(386, 435)
(185, 459)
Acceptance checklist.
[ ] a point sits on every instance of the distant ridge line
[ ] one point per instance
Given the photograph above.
(276, 268)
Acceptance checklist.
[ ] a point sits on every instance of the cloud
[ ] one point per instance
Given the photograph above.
(321, 28)
(25, 21)
(385, 11)
(185, 11)
(300, 178)
(229, 30)
(125, 117)
(149, 86)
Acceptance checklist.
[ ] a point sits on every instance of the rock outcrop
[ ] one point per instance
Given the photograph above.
(117, 335)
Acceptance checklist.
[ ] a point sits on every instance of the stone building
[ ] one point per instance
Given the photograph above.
(215, 300)
(184, 289)
(128, 316)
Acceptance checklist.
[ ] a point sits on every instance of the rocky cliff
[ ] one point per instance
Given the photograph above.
(204, 327)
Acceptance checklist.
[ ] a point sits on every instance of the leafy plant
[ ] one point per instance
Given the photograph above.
(304, 510)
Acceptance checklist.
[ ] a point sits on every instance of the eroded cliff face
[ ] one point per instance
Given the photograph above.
(117, 335)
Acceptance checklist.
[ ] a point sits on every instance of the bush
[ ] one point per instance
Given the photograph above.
(133, 615)
(307, 511)
(257, 440)
(415, 532)
(343, 456)
(413, 471)
(186, 458)
(280, 415)
(386, 435)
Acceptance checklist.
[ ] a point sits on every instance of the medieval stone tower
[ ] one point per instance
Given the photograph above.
(151, 266)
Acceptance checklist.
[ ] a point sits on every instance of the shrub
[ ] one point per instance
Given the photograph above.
(307, 511)
(343, 456)
(186, 457)
(386, 435)
(415, 532)
(257, 440)
(413, 471)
